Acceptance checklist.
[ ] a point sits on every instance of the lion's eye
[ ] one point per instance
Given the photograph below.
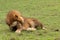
(16, 16)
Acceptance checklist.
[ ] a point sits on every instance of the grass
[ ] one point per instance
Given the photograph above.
(47, 11)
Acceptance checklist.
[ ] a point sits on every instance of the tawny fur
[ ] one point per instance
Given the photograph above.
(18, 23)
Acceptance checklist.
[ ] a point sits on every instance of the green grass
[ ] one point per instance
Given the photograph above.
(47, 11)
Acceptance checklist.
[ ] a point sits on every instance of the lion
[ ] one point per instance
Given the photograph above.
(11, 19)
(17, 22)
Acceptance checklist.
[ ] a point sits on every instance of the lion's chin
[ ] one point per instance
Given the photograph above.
(14, 28)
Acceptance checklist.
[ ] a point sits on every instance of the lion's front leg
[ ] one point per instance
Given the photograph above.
(19, 28)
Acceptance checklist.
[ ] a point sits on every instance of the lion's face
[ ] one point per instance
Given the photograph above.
(19, 18)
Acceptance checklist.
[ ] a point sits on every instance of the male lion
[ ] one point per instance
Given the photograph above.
(17, 22)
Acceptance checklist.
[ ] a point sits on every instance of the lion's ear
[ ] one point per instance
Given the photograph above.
(16, 16)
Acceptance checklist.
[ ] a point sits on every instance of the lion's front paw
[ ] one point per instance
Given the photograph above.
(18, 31)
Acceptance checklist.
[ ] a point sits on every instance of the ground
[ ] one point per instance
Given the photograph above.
(46, 11)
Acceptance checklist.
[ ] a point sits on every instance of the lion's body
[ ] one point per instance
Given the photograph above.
(32, 23)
